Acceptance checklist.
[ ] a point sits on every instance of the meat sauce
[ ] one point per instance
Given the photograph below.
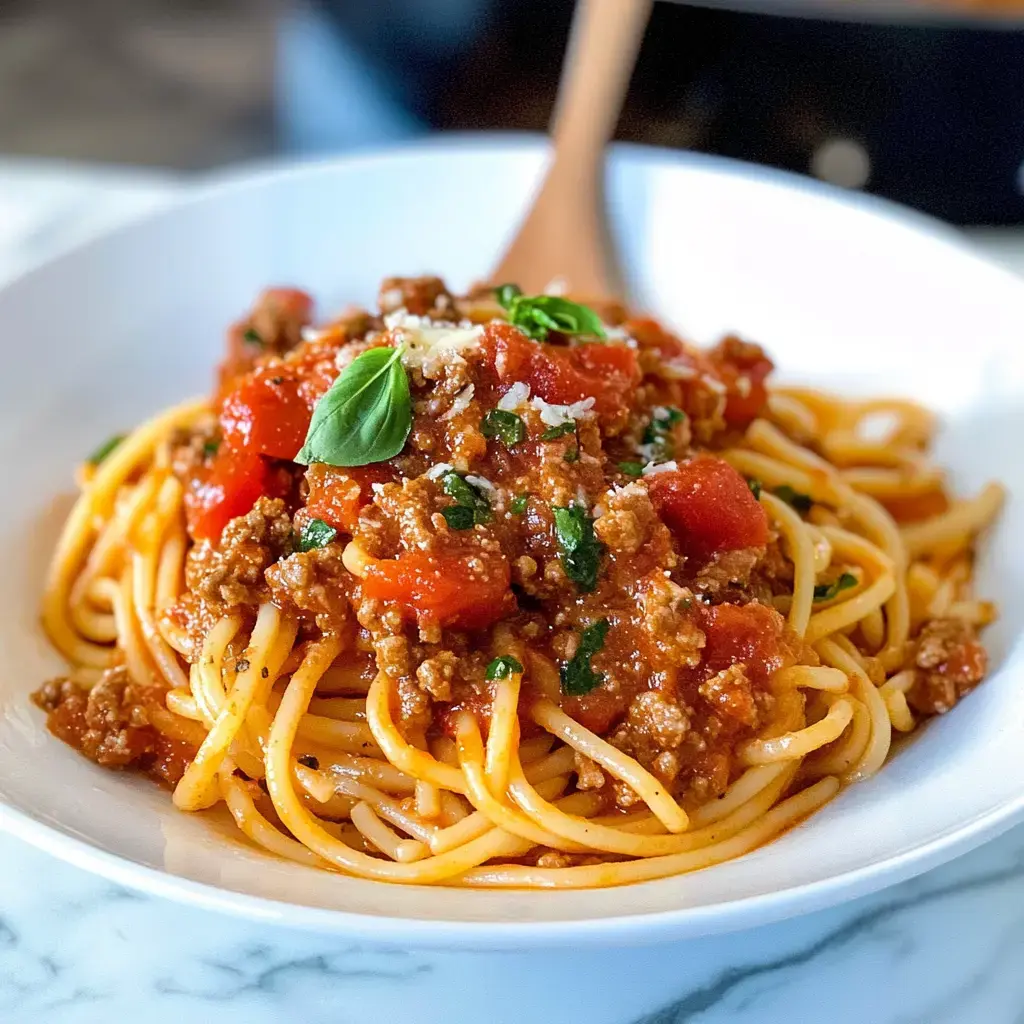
(429, 590)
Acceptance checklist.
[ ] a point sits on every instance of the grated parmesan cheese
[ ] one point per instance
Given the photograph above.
(659, 467)
(438, 471)
(556, 415)
(461, 403)
(482, 483)
(430, 345)
(514, 397)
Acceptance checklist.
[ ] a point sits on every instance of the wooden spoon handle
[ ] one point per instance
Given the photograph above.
(603, 47)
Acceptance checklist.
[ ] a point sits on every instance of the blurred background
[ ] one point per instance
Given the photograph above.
(921, 107)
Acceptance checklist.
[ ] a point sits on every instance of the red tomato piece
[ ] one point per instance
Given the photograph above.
(742, 367)
(266, 413)
(709, 507)
(449, 589)
(233, 484)
(338, 495)
(560, 375)
(753, 634)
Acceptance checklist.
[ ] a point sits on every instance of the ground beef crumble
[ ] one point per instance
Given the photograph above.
(949, 662)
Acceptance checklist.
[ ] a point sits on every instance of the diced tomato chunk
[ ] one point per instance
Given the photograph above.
(753, 634)
(742, 367)
(449, 589)
(269, 410)
(338, 495)
(709, 507)
(605, 372)
(229, 488)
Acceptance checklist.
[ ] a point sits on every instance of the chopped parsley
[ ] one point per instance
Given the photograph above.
(517, 506)
(755, 486)
(506, 426)
(662, 422)
(315, 534)
(578, 677)
(826, 591)
(105, 449)
(572, 455)
(458, 517)
(251, 335)
(568, 427)
(801, 502)
(580, 549)
(211, 446)
(632, 468)
(503, 667)
(471, 505)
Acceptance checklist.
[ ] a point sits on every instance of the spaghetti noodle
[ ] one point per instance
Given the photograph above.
(491, 591)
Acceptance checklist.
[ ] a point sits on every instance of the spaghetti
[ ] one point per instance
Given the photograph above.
(493, 591)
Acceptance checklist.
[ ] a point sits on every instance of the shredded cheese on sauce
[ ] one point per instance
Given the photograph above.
(515, 397)
(556, 415)
(431, 345)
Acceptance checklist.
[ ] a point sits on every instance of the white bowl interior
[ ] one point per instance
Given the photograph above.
(845, 292)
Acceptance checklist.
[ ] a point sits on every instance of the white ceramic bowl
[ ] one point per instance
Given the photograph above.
(843, 290)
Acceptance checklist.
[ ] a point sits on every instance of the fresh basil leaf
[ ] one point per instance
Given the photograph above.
(755, 486)
(580, 549)
(506, 426)
(517, 506)
(661, 424)
(503, 667)
(568, 427)
(632, 468)
(826, 591)
(572, 455)
(251, 335)
(801, 502)
(506, 294)
(458, 517)
(365, 417)
(315, 534)
(577, 675)
(105, 449)
(535, 315)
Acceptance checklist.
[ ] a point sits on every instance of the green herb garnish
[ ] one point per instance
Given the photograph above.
(517, 506)
(577, 676)
(503, 667)
(661, 424)
(458, 517)
(632, 468)
(366, 415)
(315, 534)
(105, 449)
(826, 591)
(572, 455)
(568, 427)
(755, 486)
(211, 446)
(537, 314)
(251, 335)
(801, 502)
(471, 505)
(506, 426)
(580, 549)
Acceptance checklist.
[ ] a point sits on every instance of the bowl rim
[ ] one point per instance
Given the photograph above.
(618, 930)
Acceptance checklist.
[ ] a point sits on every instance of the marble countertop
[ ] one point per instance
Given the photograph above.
(944, 948)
